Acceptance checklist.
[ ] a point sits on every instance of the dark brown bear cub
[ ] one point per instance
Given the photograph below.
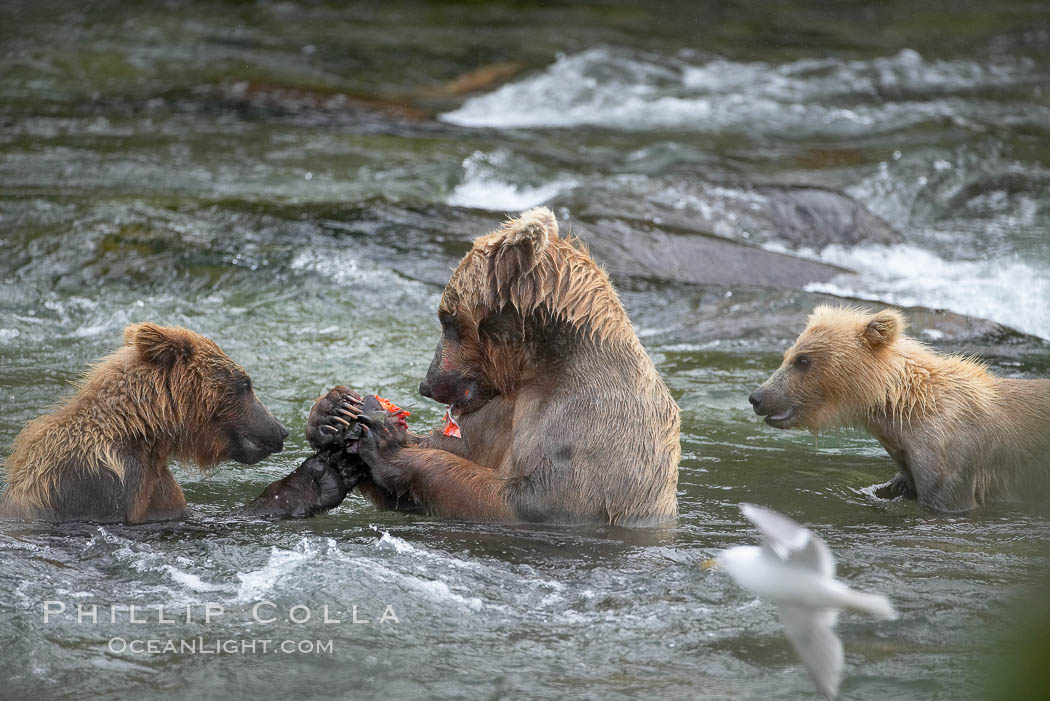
(103, 455)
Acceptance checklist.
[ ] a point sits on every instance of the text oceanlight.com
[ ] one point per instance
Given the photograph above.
(219, 646)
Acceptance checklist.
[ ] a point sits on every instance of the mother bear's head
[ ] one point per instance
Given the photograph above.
(520, 302)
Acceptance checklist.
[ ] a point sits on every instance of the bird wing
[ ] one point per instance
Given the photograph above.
(810, 632)
(789, 541)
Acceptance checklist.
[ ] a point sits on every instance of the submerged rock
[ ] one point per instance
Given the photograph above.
(763, 319)
(639, 249)
(791, 216)
(812, 217)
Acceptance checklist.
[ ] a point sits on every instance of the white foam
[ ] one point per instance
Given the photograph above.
(606, 87)
(433, 589)
(256, 584)
(503, 197)
(488, 183)
(191, 581)
(440, 592)
(89, 330)
(1007, 290)
(390, 542)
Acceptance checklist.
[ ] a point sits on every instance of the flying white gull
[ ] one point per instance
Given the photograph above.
(794, 569)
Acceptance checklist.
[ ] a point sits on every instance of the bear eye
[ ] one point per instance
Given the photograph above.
(448, 326)
(802, 362)
(244, 384)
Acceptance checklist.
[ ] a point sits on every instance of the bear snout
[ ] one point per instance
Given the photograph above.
(249, 449)
(274, 442)
(763, 401)
(440, 388)
(756, 400)
(258, 435)
(777, 410)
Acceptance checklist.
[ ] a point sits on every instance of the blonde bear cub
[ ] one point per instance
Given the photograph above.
(960, 436)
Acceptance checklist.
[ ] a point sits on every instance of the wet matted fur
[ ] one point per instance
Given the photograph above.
(102, 454)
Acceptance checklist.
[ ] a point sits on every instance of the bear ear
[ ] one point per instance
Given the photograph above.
(883, 328)
(522, 242)
(159, 345)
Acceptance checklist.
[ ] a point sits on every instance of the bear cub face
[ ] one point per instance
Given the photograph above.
(221, 416)
(252, 432)
(827, 374)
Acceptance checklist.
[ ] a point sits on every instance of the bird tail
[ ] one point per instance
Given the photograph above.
(871, 604)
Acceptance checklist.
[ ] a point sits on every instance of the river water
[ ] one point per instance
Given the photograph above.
(296, 180)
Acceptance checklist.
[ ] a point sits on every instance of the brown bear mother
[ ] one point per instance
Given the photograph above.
(103, 454)
(960, 436)
(561, 414)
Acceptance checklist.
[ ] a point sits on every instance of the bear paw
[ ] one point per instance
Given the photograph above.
(331, 416)
(382, 435)
(900, 486)
(325, 472)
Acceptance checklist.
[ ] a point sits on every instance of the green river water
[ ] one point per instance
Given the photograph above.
(295, 180)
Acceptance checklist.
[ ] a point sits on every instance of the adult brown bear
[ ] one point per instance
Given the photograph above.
(103, 454)
(562, 417)
(960, 435)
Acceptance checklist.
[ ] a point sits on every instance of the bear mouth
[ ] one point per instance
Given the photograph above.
(781, 420)
(461, 409)
(250, 451)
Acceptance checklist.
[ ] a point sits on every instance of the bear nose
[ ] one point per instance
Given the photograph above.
(424, 389)
(283, 431)
(756, 400)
